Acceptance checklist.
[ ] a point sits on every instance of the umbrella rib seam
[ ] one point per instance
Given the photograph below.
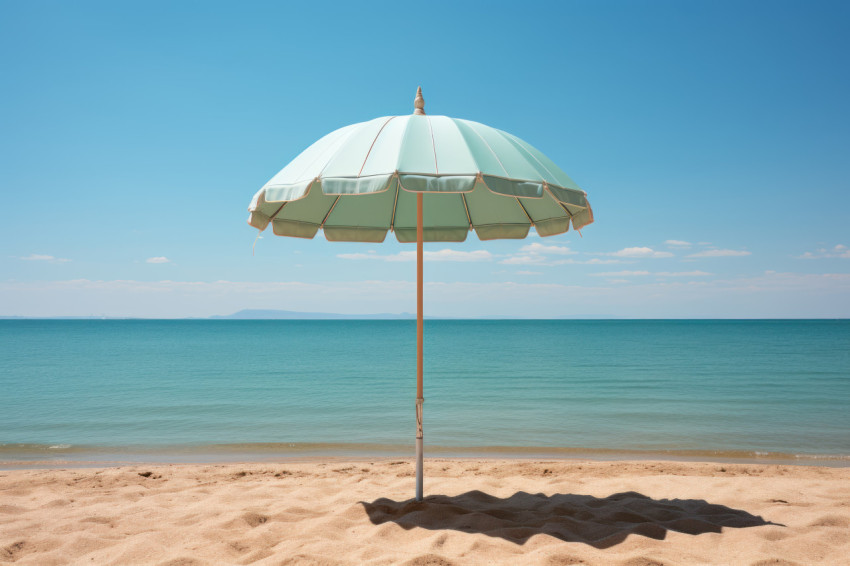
(368, 153)
(522, 150)
(466, 209)
(567, 210)
(433, 145)
(325, 219)
(524, 210)
(276, 212)
(491, 150)
(318, 158)
(337, 150)
(395, 204)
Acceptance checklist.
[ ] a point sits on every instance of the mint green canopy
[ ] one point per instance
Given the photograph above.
(358, 182)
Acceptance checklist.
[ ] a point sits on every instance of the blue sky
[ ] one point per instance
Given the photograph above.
(713, 139)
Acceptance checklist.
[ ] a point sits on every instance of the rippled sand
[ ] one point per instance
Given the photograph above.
(475, 512)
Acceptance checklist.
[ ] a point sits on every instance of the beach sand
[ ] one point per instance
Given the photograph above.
(476, 512)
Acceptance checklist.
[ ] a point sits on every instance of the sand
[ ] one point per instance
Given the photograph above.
(476, 512)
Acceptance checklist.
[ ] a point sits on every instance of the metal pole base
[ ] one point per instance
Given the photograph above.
(419, 448)
(419, 469)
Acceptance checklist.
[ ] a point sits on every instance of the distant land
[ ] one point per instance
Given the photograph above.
(258, 314)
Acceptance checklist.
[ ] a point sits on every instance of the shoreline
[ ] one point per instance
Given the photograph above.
(35, 456)
(496, 511)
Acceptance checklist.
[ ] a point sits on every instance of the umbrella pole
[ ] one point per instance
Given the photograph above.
(419, 366)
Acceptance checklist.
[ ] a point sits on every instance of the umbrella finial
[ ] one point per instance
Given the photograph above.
(419, 103)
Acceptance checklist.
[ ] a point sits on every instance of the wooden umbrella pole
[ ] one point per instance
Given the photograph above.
(419, 302)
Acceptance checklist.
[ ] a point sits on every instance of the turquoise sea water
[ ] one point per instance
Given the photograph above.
(106, 390)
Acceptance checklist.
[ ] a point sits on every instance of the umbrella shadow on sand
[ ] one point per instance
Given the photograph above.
(599, 522)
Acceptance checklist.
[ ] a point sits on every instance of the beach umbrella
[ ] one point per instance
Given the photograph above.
(426, 179)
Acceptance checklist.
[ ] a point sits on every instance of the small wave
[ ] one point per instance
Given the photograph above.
(7, 450)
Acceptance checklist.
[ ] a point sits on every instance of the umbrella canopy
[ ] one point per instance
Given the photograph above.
(473, 176)
(425, 178)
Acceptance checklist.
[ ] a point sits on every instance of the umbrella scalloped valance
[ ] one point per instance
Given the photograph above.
(472, 176)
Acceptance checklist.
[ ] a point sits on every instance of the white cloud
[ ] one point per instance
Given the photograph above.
(536, 259)
(535, 254)
(683, 274)
(678, 243)
(524, 272)
(719, 253)
(639, 253)
(839, 250)
(42, 257)
(158, 259)
(401, 256)
(656, 274)
(455, 255)
(441, 255)
(532, 259)
(620, 273)
(538, 248)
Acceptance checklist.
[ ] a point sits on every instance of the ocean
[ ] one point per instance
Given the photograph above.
(111, 391)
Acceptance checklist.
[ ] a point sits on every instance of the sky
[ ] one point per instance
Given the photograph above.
(712, 138)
